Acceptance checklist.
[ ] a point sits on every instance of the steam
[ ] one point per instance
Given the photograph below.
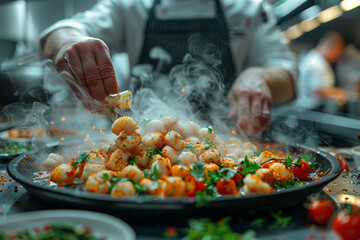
(61, 108)
(292, 131)
(193, 90)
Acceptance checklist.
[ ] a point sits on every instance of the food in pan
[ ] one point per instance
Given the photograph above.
(40, 132)
(173, 158)
(14, 148)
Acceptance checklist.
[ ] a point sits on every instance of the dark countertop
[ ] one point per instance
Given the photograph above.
(315, 126)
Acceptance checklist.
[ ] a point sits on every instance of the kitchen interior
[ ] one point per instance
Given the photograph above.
(333, 126)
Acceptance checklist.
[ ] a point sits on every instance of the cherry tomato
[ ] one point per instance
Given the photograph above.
(269, 163)
(320, 211)
(347, 225)
(302, 171)
(343, 162)
(193, 186)
(238, 177)
(226, 187)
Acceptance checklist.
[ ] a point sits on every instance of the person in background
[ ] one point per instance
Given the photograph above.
(348, 71)
(257, 67)
(316, 75)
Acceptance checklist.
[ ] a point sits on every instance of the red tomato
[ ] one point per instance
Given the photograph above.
(238, 177)
(269, 163)
(342, 160)
(347, 225)
(226, 187)
(302, 171)
(320, 211)
(193, 186)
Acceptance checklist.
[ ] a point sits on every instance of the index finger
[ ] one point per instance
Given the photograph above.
(243, 111)
(107, 72)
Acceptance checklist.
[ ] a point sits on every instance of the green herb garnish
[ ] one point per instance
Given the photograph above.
(257, 223)
(132, 161)
(200, 229)
(210, 130)
(153, 174)
(288, 162)
(190, 147)
(288, 184)
(11, 148)
(198, 170)
(151, 152)
(80, 159)
(280, 221)
(249, 167)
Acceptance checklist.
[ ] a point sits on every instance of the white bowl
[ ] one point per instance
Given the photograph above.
(102, 225)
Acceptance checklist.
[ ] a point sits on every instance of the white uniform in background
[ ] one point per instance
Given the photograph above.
(315, 73)
(254, 38)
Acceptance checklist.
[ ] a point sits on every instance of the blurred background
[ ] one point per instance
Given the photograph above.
(334, 120)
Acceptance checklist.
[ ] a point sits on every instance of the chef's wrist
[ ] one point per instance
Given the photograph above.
(57, 40)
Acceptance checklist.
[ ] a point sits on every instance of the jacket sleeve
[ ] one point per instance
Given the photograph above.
(105, 20)
(268, 48)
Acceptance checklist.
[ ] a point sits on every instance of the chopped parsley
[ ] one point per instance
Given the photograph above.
(139, 189)
(190, 147)
(206, 229)
(11, 148)
(152, 174)
(209, 145)
(202, 198)
(80, 159)
(288, 184)
(132, 161)
(249, 167)
(197, 170)
(308, 159)
(151, 152)
(257, 222)
(280, 221)
(210, 130)
(288, 162)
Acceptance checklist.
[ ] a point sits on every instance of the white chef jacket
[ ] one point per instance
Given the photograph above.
(315, 73)
(254, 38)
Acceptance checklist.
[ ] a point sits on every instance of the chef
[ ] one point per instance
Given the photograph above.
(239, 39)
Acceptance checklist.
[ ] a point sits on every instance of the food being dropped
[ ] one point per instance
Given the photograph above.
(173, 158)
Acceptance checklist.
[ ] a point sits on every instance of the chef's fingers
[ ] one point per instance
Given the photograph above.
(243, 111)
(106, 68)
(255, 123)
(74, 63)
(92, 75)
(266, 113)
(72, 78)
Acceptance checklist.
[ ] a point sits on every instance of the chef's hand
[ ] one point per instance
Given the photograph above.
(85, 64)
(250, 102)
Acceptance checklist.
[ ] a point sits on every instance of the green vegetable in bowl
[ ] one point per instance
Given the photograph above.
(12, 148)
(55, 231)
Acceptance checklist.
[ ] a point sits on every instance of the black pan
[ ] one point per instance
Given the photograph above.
(23, 168)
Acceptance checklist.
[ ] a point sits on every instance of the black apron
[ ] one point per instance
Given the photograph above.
(204, 40)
